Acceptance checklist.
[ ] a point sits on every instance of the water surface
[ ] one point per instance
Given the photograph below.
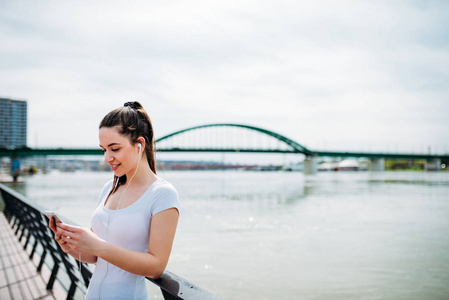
(275, 235)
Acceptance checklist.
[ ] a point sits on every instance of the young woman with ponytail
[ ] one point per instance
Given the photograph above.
(134, 224)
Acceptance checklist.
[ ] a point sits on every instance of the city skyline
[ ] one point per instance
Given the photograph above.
(352, 76)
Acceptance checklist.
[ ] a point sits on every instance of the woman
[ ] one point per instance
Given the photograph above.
(134, 224)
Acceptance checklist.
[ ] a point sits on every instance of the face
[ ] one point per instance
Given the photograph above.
(119, 153)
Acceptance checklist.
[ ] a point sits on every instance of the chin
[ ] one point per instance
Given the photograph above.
(118, 174)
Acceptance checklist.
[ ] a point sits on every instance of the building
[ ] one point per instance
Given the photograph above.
(13, 123)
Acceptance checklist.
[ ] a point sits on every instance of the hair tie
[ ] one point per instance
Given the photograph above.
(131, 104)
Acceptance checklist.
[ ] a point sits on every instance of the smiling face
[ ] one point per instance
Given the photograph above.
(119, 153)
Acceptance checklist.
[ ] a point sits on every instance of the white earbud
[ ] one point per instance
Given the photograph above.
(140, 146)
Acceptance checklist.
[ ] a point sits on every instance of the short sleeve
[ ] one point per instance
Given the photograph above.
(166, 197)
(105, 191)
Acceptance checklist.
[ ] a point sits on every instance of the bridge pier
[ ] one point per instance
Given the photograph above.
(310, 165)
(433, 165)
(377, 165)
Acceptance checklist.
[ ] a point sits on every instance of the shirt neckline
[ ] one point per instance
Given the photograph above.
(132, 204)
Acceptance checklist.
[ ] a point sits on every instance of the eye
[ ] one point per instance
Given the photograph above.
(115, 150)
(103, 150)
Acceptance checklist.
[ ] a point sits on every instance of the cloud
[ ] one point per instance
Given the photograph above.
(321, 72)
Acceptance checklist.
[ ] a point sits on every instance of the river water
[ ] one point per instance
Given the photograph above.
(280, 235)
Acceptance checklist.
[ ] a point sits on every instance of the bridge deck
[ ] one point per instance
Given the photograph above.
(18, 276)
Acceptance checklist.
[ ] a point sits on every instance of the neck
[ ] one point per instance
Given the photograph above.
(142, 176)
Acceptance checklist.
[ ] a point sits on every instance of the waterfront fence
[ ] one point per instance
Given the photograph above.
(31, 228)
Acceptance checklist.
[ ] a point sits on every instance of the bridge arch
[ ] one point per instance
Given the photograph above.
(293, 147)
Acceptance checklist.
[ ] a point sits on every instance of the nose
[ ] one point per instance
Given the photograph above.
(108, 157)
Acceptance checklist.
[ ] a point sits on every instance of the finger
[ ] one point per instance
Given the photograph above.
(59, 238)
(68, 241)
(51, 224)
(69, 227)
(65, 233)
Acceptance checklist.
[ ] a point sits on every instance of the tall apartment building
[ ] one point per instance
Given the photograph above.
(13, 123)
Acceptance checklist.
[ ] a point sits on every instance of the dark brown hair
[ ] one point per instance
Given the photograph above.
(132, 121)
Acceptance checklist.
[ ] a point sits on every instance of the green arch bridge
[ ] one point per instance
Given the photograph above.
(227, 137)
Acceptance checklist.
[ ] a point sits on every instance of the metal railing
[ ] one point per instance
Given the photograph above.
(31, 229)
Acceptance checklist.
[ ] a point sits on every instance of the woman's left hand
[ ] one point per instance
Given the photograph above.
(78, 238)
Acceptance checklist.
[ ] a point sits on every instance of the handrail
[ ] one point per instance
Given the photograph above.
(27, 221)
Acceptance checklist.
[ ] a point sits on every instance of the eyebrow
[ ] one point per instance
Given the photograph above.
(111, 144)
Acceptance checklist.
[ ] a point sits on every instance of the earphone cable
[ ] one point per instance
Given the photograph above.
(121, 195)
(109, 216)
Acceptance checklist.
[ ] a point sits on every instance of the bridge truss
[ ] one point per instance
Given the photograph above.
(226, 137)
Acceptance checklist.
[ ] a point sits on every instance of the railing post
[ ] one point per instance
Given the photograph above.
(168, 296)
(71, 292)
(27, 241)
(52, 278)
(41, 262)
(33, 250)
(17, 225)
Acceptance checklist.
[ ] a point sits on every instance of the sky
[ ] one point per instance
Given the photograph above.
(331, 75)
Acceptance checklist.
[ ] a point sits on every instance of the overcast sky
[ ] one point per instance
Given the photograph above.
(331, 75)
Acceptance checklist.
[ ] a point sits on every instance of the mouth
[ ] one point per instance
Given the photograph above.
(115, 167)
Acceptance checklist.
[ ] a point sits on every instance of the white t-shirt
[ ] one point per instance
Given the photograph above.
(127, 228)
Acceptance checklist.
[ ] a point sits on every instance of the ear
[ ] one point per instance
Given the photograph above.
(141, 142)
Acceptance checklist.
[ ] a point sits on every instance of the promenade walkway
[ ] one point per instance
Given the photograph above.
(18, 276)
